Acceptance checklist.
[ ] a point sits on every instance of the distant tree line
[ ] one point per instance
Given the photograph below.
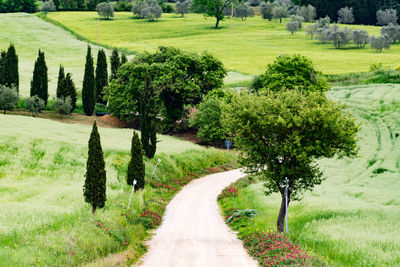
(28, 6)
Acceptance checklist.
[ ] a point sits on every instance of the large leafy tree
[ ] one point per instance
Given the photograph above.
(39, 83)
(101, 75)
(88, 88)
(212, 8)
(94, 189)
(282, 134)
(136, 167)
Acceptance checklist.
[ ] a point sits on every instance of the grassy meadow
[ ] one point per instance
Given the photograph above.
(247, 49)
(45, 221)
(29, 34)
(352, 218)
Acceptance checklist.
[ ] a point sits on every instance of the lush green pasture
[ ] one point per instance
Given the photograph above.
(352, 219)
(29, 33)
(44, 220)
(247, 49)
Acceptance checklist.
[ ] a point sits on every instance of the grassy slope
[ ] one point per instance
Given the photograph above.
(45, 220)
(352, 219)
(248, 49)
(29, 33)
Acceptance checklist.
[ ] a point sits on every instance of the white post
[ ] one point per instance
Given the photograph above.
(133, 189)
(155, 168)
(286, 203)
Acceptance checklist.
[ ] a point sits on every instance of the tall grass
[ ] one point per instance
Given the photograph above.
(44, 220)
(352, 219)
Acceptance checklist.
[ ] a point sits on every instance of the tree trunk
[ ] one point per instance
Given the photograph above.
(93, 210)
(216, 24)
(282, 212)
(280, 20)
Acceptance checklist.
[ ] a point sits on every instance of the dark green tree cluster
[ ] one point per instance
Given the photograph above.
(364, 10)
(115, 63)
(94, 189)
(136, 167)
(66, 88)
(88, 87)
(101, 75)
(39, 83)
(9, 68)
(7, 6)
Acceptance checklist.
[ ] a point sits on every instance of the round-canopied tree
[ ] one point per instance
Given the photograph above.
(101, 75)
(88, 88)
(8, 98)
(39, 83)
(282, 134)
(136, 167)
(105, 10)
(94, 189)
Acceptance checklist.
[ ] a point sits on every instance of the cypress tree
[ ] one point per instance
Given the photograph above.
(101, 75)
(11, 68)
(124, 59)
(39, 83)
(94, 189)
(2, 67)
(67, 89)
(61, 75)
(136, 168)
(88, 88)
(115, 63)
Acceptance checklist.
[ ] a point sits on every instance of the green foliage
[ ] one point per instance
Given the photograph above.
(115, 63)
(266, 10)
(124, 59)
(9, 72)
(48, 6)
(291, 72)
(68, 90)
(123, 5)
(62, 106)
(34, 104)
(91, 4)
(212, 8)
(136, 167)
(61, 76)
(182, 7)
(94, 189)
(379, 43)
(88, 88)
(292, 26)
(8, 98)
(7, 6)
(286, 132)
(39, 83)
(101, 75)
(105, 10)
(151, 10)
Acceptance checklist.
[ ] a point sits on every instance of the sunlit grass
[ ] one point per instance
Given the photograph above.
(352, 219)
(248, 48)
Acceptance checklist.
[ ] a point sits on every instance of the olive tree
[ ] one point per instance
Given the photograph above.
(182, 7)
(379, 43)
(360, 38)
(312, 29)
(387, 16)
(8, 98)
(292, 26)
(391, 31)
(243, 11)
(340, 37)
(345, 15)
(309, 13)
(212, 8)
(266, 10)
(281, 135)
(105, 10)
(280, 12)
(34, 104)
(48, 6)
(151, 10)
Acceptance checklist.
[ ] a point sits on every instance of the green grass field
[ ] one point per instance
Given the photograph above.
(352, 219)
(247, 49)
(29, 33)
(44, 220)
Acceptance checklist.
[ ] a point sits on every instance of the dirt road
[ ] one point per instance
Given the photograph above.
(193, 232)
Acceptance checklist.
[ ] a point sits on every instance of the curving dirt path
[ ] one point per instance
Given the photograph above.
(193, 232)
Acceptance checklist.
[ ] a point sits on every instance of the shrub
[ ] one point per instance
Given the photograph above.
(266, 10)
(62, 106)
(105, 10)
(339, 37)
(123, 5)
(323, 34)
(345, 15)
(34, 104)
(8, 98)
(360, 38)
(379, 43)
(48, 6)
(299, 20)
(324, 21)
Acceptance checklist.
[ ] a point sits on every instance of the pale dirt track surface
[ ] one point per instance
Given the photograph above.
(193, 232)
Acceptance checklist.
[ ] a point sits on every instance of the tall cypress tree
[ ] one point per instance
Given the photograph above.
(39, 83)
(115, 64)
(136, 168)
(61, 76)
(11, 76)
(88, 88)
(3, 57)
(67, 89)
(124, 59)
(101, 75)
(94, 189)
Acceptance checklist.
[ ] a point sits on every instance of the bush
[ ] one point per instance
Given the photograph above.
(299, 20)
(167, 8)
(339, 37)
(266, 10)
(48, 6)
(291, 72)
(324, 21)
(105, 10)
(34, 104)
(8, 98)
(380, 43)
(360, 38)
(62, 106)
(123, 5)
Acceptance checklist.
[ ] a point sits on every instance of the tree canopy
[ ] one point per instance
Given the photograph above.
(212, 8)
